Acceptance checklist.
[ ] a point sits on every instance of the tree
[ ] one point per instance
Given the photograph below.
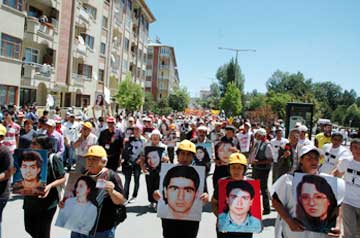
(231, 102)
(162, 107)
(149, 103)
(254, 100)
(130, 95)
(179, 99)
(278, 102)
(226, 74)
(352, 116)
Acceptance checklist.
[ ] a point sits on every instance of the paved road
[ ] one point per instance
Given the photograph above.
(141, 221)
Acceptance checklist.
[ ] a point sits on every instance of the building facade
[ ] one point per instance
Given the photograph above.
(162, 75)
(73, 50)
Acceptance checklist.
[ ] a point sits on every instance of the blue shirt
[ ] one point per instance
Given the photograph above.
(251, 224)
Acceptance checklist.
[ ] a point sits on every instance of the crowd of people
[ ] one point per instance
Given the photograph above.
(136, 144)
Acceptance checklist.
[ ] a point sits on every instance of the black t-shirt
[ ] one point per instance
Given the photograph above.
(6, 160)
(106, 220)
(112, 142)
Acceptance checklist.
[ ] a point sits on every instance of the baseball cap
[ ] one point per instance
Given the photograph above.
(303, 128)
(155, 132)
(202, 128)
(2, 130)
(51, 122)
(110, 120)
(237, 158)
(97, 151)
(261, 132)
(307, 149)
(230, 127)
(87, 125)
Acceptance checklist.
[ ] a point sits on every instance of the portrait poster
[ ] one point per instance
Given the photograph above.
(153, 155)
(208, 146)
(239, 206)
(181, 187)
(223, 152)
(132, 150)
(31, 172)
(317, 200)
(79, 211)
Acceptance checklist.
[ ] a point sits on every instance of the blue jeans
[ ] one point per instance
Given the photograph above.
(2, 206)
(104, 234)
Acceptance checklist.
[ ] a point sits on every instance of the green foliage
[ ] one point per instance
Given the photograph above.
(130, 95)
(278, 102)
(352, 114)
(162, 107)
(179, 99)
(149, 103)
(254, 100)
(226, 74)
(231, 102)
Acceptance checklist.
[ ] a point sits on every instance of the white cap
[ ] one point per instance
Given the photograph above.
(307, 148)
(297, 124)
(303, 128)
(202, 128)
(51, 122)
(261, 132)
(155, 132)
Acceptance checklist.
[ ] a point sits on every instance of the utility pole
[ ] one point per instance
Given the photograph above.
(236, 56)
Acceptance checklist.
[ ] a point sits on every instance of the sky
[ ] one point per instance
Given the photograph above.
(319, 38)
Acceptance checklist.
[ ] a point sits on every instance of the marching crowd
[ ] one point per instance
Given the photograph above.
(239, 150)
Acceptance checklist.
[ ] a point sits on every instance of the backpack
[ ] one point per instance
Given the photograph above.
(60, 189)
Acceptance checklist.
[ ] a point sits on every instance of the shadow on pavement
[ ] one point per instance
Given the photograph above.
(140, 210)
(269, 222)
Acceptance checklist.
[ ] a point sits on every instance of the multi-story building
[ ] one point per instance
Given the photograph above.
(162, 75)
(72, 50)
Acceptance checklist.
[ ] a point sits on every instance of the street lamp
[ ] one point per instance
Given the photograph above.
(236, 57)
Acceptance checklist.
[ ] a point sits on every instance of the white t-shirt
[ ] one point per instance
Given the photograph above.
(276, 145)
(352, 179)
(86, 144)
(71, 131)
(77, 217)
(283, 187)
(244, 141)
(332, 157)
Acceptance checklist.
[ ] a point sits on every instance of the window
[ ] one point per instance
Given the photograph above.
(10, 46)
(90, 10)
(17, 4)
(127, 44)
(34, 12)
(104, 22)
(129, 5)
(101, 75)
(125, 66)
(86, 70)
(31, 55)
(102, 48)
(27, 96)
(7, 94)
(89, 40)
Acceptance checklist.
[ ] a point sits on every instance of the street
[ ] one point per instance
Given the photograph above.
(141, 220)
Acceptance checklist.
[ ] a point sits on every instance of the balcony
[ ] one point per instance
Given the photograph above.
(80, 50)
(79, 80)
(34, 73)
(83, 18)
(41, 33)
(51, 3)
(164, 66)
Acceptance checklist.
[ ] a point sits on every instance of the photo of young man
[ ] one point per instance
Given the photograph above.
(180, 192)
(30, 179)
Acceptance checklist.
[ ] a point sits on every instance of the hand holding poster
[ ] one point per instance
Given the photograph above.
(317, 201)
(31, 172)
(180, 188)
(239, 206)
(80, 208)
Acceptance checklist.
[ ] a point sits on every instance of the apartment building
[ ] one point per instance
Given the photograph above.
(73, 50)
(162, 75)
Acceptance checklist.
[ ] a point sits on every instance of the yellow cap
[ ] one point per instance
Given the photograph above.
(187, 145)
(97, 151)
(87, 125)
(237, 158)
(172, 126)
(2, 130)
